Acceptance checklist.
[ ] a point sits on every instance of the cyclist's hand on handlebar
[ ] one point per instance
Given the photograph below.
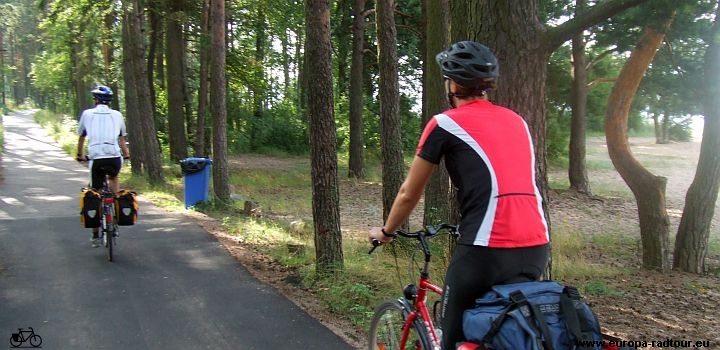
(376, 235)
(379, 237)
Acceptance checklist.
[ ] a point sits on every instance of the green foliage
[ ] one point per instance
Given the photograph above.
(557, 136)
(343, 296)
(61, 127)
(278, 130)
(71, 53)
(680, 130)
(2, 133)
(714, 251)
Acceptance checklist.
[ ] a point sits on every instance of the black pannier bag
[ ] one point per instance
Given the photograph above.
(90, 207)
(126, 208)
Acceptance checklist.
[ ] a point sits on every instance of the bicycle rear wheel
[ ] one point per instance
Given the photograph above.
(386, 329)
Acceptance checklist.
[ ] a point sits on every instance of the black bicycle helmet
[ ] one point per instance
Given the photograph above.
(470, 64)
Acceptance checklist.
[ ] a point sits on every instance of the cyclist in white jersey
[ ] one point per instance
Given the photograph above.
(104, 128)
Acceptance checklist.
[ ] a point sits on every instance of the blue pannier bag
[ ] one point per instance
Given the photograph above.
(540, 315)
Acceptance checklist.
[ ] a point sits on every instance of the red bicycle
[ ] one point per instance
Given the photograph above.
(406, 322)
(108, 231)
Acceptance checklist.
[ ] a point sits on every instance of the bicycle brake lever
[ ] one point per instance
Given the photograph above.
(375, 243)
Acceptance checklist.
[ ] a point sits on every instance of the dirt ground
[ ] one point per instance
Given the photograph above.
(649, 307)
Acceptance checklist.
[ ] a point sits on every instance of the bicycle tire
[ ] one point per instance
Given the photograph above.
(110, 246)
(35, 341)
(108, 233)
(110, 241)
(14, 343)
(387, 325)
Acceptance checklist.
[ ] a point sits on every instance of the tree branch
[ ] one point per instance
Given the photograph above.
(599, 58)
(556, 36)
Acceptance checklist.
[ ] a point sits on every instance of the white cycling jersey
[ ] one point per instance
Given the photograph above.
(102, 126)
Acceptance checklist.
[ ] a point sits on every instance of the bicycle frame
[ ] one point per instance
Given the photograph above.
(420, 306)
(108, 210)
(22, 333)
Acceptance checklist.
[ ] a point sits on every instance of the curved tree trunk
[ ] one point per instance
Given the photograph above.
(691, 243)
(649, 190)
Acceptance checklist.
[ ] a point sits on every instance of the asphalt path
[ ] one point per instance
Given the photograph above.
(172, 285)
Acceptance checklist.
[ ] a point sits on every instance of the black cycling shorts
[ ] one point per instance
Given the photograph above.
(101, 167)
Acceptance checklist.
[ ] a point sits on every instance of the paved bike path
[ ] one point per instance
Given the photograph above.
(172, 285)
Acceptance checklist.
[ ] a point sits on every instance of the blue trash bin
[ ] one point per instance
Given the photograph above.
(197, 179)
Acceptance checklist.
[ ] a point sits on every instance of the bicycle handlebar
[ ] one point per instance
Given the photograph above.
(422, 234)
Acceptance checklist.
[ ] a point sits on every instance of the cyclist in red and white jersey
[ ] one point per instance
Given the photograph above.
(490, 158)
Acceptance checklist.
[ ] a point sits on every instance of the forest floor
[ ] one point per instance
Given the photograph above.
(636, 305)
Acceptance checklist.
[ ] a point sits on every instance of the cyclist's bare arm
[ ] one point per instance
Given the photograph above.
(123, 147)
(80, 145)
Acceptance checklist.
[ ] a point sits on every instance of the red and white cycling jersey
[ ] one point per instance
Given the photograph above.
(490, 157)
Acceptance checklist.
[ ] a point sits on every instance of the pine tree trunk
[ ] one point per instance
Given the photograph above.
(257, 87)
(175, 80)
(218, 108)
(691, 243)
(577, 171)
(323, 141)
(202, 142)
(356, 157)
(437, 38)
(393, 164)
(136, 75)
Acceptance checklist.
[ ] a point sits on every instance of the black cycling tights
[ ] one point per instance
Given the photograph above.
(104, 166)
(474, 270)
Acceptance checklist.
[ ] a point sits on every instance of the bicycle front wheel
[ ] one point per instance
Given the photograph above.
(35, 340)
(110, 237)
(388, 325)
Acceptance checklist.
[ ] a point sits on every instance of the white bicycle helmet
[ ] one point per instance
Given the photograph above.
(102, 93)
